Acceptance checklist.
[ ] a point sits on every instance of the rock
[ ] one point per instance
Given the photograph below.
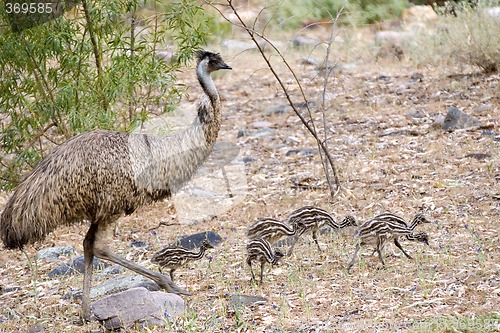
(248, 160)
(384, 76)
(301, 152)
(438, 121)
(417, 77)
(416, 114)
(76, 265)
(239, 300)
(38, 328)
(113, 270)
(241, 133)
(261, 124)
(301, 41)
(263, 132)
(478, 156)
(53, 253)
(137, 305)
(279, 109)
(457, 119)
(123, 283)
(194, 241)
(139, 244)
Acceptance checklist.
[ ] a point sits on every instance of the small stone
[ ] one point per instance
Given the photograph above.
(417, 77)
(261, 124)
(457, 119)
(416, 114)
(239, 300)
(38, 328)
(241, 133)
(383, 76)
(139, 244)
(301, 41)
(301, 152)
(263, 132)
(478, 156)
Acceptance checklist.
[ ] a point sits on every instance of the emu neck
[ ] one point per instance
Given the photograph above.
(162, 165)
(413, 224)
(200, 253)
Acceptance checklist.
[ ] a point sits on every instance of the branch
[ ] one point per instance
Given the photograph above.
(309, 125)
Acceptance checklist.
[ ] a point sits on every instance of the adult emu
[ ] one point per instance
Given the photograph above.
(101, 175)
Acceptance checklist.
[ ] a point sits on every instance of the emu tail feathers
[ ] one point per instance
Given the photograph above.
(20, 222)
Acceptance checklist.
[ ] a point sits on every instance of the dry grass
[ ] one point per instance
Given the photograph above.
(453, 282)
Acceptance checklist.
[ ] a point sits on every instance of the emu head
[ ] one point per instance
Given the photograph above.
(420, 219)
(422, 237)
(349, 221)
(277, 256)
(212, 61)
(206, 244)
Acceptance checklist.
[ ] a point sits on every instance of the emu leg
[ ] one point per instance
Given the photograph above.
(261, 271)
(172, 274)
(101, 250)
(249, 262)
(379, 250)
(353, 260)
(401, 248)
(88, 255)
(315, 238)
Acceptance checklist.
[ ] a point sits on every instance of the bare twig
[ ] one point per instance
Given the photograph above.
(308, 124)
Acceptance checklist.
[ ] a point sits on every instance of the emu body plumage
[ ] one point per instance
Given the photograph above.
(100, 176)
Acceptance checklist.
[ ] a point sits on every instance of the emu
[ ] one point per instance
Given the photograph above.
(261, 250)
(173, 257)
(101, 175)
(314, 218)
(272, 230)
(385, 227)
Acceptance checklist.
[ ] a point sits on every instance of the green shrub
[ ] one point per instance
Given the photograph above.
(72, 75)
(469, 36)
(290, 13)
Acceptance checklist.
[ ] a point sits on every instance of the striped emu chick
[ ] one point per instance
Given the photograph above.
(414, 237)
(262, 251)
(173, 257)
(272, 230)
(386, 227)
(314, 218)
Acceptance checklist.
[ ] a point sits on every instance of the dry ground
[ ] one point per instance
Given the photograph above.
(387, 161)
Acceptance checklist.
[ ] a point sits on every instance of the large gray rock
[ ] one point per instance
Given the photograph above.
(137, 306)
(123, 283)
(457, 119)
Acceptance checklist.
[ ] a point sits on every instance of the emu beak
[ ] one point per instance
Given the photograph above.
(225, 66)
